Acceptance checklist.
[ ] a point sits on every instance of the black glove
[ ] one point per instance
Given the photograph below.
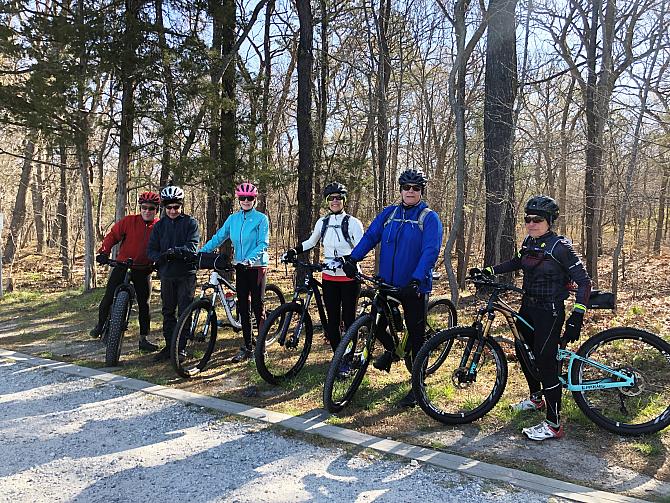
(102, 258)
(411, 289)
(350, 268)
(289, 255)
(573, 326)
(170, 254)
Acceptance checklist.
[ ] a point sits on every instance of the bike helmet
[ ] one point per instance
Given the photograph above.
(246, 189)
(334, 188)
(414, 177)
(172, 194)
(543, 206)
(149, 197)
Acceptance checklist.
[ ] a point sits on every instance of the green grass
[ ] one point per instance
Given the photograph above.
(648, 448)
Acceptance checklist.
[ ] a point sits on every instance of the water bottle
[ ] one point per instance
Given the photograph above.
(230, 300)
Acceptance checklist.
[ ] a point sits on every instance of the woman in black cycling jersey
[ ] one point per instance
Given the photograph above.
(549, 266)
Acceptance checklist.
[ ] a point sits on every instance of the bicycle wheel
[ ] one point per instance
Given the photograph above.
(639, 409)
(284, 343)
(364, 301)
(440, 315)
(194, 338)
(457, 393)
(349, 364)
(118, 319)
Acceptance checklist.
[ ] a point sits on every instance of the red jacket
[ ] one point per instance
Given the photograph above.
(133, 234)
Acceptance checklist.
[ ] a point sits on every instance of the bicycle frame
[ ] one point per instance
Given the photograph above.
(217, 282)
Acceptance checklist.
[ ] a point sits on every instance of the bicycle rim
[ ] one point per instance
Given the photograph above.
(639, 409)
(452, 393)
(440, 315)
(284, 343)
(117, 325)
(354, 352)
(194, 338)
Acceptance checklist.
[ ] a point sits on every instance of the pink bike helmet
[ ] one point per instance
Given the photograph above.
(246, 189)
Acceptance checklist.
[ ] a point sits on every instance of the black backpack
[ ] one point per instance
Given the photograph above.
(344, 227)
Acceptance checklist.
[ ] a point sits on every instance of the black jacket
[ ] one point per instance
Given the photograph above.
(182, 235)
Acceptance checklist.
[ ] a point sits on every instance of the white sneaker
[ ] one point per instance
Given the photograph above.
(528, 404)
(543, 431)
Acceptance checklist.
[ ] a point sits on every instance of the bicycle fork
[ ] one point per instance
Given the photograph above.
(467, 372)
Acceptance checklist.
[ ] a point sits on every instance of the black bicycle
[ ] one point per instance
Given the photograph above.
(285, 341)
(194, 337)
(619, 378)
(353, 355)
(119, 315)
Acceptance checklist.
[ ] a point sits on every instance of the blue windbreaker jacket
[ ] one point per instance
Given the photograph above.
(406, 253)
(250, 234)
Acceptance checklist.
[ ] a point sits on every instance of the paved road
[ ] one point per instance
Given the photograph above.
(64, 438)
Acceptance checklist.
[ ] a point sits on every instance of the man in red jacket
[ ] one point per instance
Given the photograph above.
(133, 233)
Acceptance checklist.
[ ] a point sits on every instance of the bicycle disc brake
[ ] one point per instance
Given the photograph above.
(461, 378)
(639, 382)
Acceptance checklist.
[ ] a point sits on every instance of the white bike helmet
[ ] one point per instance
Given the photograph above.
(172, 194)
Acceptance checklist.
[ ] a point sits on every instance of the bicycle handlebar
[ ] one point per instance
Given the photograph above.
(312, 267)
(481, 280)
(377, 282)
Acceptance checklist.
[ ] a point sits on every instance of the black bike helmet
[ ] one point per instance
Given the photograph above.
(414, 177)
(543, 206)
(334, 188)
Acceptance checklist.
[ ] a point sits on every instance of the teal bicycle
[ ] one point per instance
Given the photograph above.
(619, 378)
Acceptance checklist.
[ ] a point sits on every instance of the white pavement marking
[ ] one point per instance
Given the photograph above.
(313, 423)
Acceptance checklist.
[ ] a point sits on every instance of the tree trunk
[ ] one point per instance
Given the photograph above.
(214, 136)
(383, 76)
(265, 105)
(661, 206)
(62, 215)
(37, 193)
(169, 120)
(500, 90)
(19, 213)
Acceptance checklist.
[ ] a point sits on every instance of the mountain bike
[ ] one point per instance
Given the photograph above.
(194, 337)
(285, 341)
(619, 378)
(119, 315)
(357, 347)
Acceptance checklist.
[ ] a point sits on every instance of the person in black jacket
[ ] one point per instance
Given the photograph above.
(173, 241)
(550, 266)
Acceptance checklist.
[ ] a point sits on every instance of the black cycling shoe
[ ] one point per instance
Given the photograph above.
(147, 346)
(95, 331)
(408, 400)
(163, 355)
(182, 356)
(243, 355)
(384, 361)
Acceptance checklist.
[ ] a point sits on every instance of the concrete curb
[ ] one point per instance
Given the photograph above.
(313, 422)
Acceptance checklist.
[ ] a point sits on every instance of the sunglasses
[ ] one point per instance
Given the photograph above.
(246, 198)
(535, 219)
(335, 198)
(407, 187)
(173, 207)
(147, 208)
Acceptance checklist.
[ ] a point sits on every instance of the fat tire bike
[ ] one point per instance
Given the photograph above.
(356, 349)
(194, 337)
(619, 378)
(285, 341)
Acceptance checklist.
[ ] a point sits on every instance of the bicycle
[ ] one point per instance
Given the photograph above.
(194, 337)
(119, 315)
(357, 346)
(619, 378)
(285, 341)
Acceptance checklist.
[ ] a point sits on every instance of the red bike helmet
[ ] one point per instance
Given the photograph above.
(149, 197)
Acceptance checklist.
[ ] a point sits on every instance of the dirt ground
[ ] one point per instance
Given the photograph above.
(43, 318)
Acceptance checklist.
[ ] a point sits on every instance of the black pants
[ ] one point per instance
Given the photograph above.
(250, 283)
(544, 342)
(176, 293)
(340, 299)
(141, 280)
(414, 308)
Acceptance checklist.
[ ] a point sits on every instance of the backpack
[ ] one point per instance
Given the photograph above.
(344, 227)
(419, 221)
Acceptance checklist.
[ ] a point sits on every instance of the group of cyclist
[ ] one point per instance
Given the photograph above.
(409, 235)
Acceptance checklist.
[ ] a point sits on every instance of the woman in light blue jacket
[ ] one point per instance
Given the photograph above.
(249, 232)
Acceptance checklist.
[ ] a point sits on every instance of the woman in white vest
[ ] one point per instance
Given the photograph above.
(339, 233)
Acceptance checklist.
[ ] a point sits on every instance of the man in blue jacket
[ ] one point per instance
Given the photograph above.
(173, 241)
(410, 237)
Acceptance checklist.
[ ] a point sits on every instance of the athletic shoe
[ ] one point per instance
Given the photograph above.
(147, 346)
(163, 355)
(528, 404)
(95, 331)
(544, 431)
(409, 400)
(383, 361)
(243, 355)
(344, 370)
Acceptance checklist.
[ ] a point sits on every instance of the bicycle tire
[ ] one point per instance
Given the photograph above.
(196, 341)
(280, 351)
(630, 350)
(446, 395)
(364, 303)
(117, 326)
(440, 315)
(271, 291)
(357, 347)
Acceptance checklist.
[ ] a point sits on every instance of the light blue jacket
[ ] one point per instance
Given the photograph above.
(249, 231)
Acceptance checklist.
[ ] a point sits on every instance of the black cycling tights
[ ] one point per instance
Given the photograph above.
(250, 282)
(340, 298)
(544, 341)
